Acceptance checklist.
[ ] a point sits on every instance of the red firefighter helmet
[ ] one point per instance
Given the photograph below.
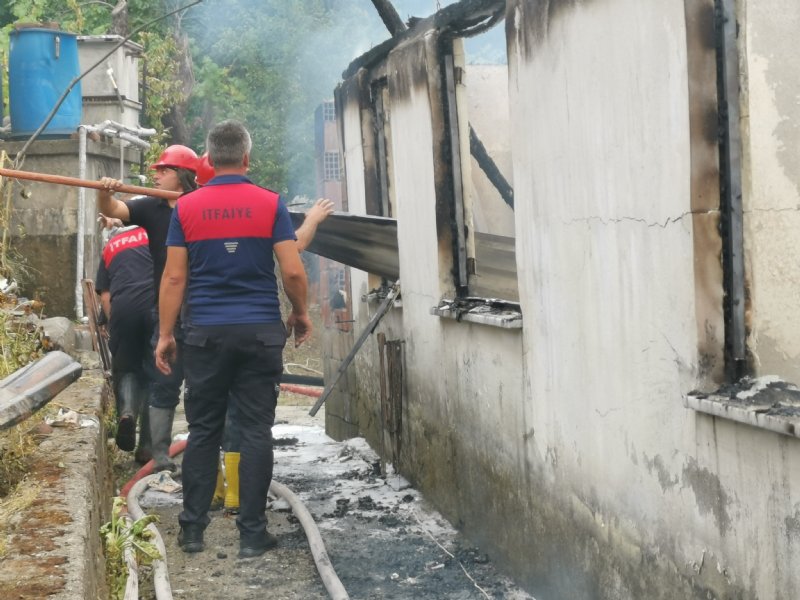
(204, 171)
(177, 157)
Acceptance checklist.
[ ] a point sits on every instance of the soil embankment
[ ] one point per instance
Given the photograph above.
(50, 524)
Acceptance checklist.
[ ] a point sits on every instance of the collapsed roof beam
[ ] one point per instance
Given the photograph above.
(490, 168)
(389, 16)
(453, 17)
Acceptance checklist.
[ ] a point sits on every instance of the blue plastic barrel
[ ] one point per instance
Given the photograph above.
(42, 64)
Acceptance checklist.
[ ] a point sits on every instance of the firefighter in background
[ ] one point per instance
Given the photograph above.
(125, 284)
(173, 171)
(226, 493)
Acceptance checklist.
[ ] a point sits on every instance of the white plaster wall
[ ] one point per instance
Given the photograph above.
(466, 377)
(604, 244)
(605, 260)
(601, 174)
(771, 180)
(356, 194)
(413, 182)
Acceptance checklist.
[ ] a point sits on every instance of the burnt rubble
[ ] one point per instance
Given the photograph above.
(767, 402)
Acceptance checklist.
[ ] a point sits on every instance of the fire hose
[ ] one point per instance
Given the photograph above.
(139, 483)
(160, 572)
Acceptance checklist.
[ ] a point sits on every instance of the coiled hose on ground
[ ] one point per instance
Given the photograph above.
(136, 486)
(160, 572)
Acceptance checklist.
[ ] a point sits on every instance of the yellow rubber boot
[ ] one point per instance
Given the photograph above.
(232, 482)
(219, 492)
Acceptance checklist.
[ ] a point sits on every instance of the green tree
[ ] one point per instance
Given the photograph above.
(270, 63)
(162, 43)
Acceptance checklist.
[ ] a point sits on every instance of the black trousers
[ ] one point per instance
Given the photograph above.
(130, 338)
(240, 364)
(165, 390)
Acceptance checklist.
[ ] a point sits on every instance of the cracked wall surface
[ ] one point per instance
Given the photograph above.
(771, 181)
(564, 449)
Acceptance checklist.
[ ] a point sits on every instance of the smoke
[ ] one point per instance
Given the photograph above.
(270, 63)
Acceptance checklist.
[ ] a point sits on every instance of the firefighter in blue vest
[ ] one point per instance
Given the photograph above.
(221, 249)
(125, 284)
(226, 492)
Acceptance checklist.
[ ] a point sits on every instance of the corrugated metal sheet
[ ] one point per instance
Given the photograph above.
(364, 242)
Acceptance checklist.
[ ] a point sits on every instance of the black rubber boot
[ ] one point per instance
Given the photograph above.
(190, 538)
(128, 392)
(144, 450)
(161, 438)
(252, 546)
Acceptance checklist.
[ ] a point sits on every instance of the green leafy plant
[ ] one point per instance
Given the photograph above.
(120, 535)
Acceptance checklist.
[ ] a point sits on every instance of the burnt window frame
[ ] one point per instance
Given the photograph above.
(464, 265)
(378, 89)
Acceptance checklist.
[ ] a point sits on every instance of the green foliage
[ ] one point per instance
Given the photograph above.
(120, 535)
(163, 88)
(94, 18)
(270, 63)
(20, 343)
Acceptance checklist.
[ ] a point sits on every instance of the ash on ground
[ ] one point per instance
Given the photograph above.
(382, 538)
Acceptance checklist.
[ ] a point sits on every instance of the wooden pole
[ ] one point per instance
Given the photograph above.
(87, 183)
(389, 16)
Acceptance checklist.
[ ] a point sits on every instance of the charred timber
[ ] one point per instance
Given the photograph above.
(489, 167)
(389, 16)
(457, 17)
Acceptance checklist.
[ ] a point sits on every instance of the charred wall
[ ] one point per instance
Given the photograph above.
(563, 448)
(705, 187)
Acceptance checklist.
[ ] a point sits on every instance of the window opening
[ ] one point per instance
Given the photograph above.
(332, 166)
(476, 80)
(381, 124)
(328, 111)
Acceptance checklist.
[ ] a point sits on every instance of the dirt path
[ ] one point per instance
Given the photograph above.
(382, 538)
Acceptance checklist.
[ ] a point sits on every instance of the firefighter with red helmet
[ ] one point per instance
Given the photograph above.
(205, 172)
(175, 171)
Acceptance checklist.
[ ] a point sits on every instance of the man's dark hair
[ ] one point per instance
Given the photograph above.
(227, 143)
(186, 179)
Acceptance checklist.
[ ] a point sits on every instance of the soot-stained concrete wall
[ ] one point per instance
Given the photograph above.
(564, 447)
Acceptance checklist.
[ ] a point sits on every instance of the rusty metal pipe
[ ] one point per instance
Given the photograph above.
(87, 183)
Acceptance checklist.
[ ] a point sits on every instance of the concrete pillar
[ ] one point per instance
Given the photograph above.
(44, 219)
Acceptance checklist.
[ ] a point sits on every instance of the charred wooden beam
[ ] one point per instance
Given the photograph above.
(489, 167)
(387, 303)
(454, 17)
(389, 16)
